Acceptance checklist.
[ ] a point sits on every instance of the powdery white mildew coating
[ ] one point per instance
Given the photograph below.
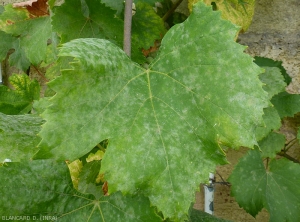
(165, 124)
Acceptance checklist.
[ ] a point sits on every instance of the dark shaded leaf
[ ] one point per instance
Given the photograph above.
(20, 100)
(271, 144)
(277, 188)
(261, 61)
(44, 188)
(287, 105)
(272, 122)
(273, 80)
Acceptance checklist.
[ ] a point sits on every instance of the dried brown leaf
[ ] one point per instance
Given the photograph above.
(36, 8)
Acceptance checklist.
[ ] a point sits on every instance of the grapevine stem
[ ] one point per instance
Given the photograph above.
(171, 10)
(223, 181)
(100, 147)
(40, 74)
(267, 164)
(290, 144)
(288, 157)
(127, 27)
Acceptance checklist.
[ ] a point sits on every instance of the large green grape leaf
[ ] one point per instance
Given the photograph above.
(165, 123)
(239, 12)
(44, 188)
(20, 100)
(18, 136)
(286, 104)
(273, 80)
(30, 36)
(277, 188)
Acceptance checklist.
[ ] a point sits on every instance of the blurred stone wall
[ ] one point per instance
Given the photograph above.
(274, 33)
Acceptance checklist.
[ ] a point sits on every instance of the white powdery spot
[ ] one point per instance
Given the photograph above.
(239, 97)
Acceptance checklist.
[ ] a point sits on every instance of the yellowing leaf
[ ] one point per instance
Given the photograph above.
(239, 12)
(20, 100)
(95, 156)
(75, 168)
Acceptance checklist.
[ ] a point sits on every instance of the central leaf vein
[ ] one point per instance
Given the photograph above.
(160, 135)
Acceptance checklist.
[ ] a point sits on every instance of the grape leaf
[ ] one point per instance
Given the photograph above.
(273, 80)
(11, 102)
(39, 106)
(117, 5)
(274, 84)
(73, 19)
(96, 20)
(147, 27)
(75, 168)
(30, 36)
(238, 12)
(18, 136)
(277, 188)
(8, 40)
(18, 58)
(44, 188)
(36, 8)
(272, 122)
(261, 61)
(286, 104)
(165, 123)
(271, 144)
(150, 2)
(20, 100)
(24, 4)
(25, 87)
(91, 181)
(88, 175)
(95, 156)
